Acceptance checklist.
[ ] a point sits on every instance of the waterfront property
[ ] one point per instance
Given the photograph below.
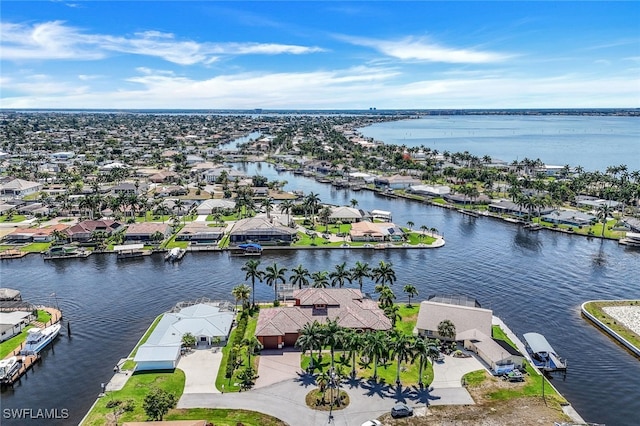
(569, 217)
(376, 232)
(12, 323)
(499, 356)
(34, 235)
(465, 313)
(208, 322)
(214, 205)
(200, 233)
(84, 231)
(280, 327)
(263, 230)
(542, 354)
(144, 232)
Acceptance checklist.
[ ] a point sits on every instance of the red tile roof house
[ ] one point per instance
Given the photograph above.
(280, 327)
(83, 231)
(35, 235)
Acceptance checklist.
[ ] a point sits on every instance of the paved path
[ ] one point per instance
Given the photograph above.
(200, 368)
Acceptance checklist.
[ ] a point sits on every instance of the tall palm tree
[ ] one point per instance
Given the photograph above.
(402, 349)
(421, 352)
(384, 273)
(352, 341)
(309, 339)
(313, 200)
(300, 276)
(393, 313)
(320, 279)
(604, 211)
(340, 275)
(252, 344)
(324, 215)
(241, 292)
(410, 225)
(267, 203)
(287, 207)
(331, 336)
(375, 348)
(253, 273)
(360, 271)
(411, 291)
(272, 275)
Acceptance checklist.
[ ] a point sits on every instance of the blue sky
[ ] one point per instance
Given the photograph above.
(319, 55)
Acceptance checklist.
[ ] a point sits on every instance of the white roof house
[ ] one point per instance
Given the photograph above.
(19, 187)
(205, 322)
(346, 214)
(464, 318)
(208, 206)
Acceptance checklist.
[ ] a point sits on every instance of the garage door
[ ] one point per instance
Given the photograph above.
(290, 339)
(270, 342)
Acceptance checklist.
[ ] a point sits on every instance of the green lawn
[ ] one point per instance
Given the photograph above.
(146, 335)
(136, 388)
(43, 316)
(225, 417)
(10, 345)
(409, 317)
(595, 309)
(36, 247)
(14, 219)
(230, 385)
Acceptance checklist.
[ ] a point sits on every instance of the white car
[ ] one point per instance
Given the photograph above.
(373, 422)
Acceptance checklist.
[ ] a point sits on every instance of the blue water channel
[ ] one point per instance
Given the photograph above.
(534, 281)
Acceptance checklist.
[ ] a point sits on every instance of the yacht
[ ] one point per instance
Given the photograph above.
(8, 367)
(38, 338)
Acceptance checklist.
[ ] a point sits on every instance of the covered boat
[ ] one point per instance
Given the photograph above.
(38, 338)
(542, 354)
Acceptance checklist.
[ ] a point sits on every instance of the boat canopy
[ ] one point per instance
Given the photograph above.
(250, 246)
(538, 343)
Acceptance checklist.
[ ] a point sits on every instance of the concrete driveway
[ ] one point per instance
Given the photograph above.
(277, 365)
(200, 369)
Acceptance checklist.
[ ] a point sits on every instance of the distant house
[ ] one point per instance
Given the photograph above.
(346, 215)
(163, 177)
(595, 203)
(430, 190)
(214, 205)
(497, 354)
(142, 232)
(261, 230)
(206, 322)
(84, 231)
(375, 231)
(280, 327)
(124, 188)
(396, 181)
(19, 188)
(35, 235)
(507, 207)
(464, 199)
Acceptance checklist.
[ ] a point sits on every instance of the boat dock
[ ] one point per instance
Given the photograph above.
(12, 254)
(175, 254)
(543, 356)
(27, 361)
(131, 251)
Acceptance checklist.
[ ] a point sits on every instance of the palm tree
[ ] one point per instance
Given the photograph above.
(360, 271)
(604, 211)
(241, 292)
(340, 275)
(252, 344)
(313, 200)
(421, 353)
(309, 339)
(300, 276)
(286, 207)
(324, 215)
(353, 202)
(267, 203)
(273, 274)
(331, 336)
(320, 279)
(410, 225)
(411, 291)
(252, 272)
(393, 313)
(352, 341)
(402, 348)
(447, 329)
(375, 347)
(384, 273)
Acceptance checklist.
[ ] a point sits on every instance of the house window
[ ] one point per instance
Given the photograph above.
(429, 333)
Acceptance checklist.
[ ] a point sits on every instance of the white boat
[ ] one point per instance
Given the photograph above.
(38, 338)
(8, 367)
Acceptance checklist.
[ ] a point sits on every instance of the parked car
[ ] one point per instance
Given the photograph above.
(373, 422)
(401, 410)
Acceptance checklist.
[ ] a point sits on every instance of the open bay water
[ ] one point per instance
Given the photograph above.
(534, 281)
(593, 142)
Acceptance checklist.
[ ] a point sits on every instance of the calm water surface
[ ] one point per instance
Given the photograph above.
(535, 281)
(594, 142)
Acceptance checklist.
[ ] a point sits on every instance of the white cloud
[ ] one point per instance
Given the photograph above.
(420, 49)
(55, 40)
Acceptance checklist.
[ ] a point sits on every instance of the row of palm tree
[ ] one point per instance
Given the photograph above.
(273, 274)
(374, 346)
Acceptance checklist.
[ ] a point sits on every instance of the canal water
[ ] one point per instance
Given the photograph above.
(534, 281)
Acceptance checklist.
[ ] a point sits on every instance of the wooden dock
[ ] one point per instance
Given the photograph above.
(12, 254)
(27, 362)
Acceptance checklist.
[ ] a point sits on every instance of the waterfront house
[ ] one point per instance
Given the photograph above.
(594, 203)
(464, 199)
(143, 232)
(507, 207)
(34, 235)
(84, 231)
(200, 233)
(375, 231)
(465, 314)
(430, 190)
(396, 181)
(12, 323)
(263, 230)
(499, 356)
(346, 215)
(569, 217)
(280, 327)
(208, 322)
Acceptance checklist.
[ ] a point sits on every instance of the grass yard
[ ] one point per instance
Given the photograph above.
(13, 219)
(36, 247)
(137, 387)
(409, 318)
(595, 309)
(146, 336)
(10, 345)
(225, 417)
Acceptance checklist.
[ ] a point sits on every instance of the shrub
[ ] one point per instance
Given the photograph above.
(113, 403)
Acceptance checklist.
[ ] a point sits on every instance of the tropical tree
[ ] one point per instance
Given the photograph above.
(447, 329)
(253, 273)
(360, 271)
(241, 292)
(352, 341)
(324, 215)
(393, 313)
(247, 377)
(272, 275)
(331, 336)
(309, 339)
(420, 353)
(353, 202)
(320, 279)
(604, 211)
(402, 349)
(410, 225)
(253, 345)
(300, 276)
(410, 291)
(386, 295)
(188, 340)
(286, 207)
(384, 273)
(267, 204)
(340, 275)
(312, 200)
(375, 348)
(157, 403)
